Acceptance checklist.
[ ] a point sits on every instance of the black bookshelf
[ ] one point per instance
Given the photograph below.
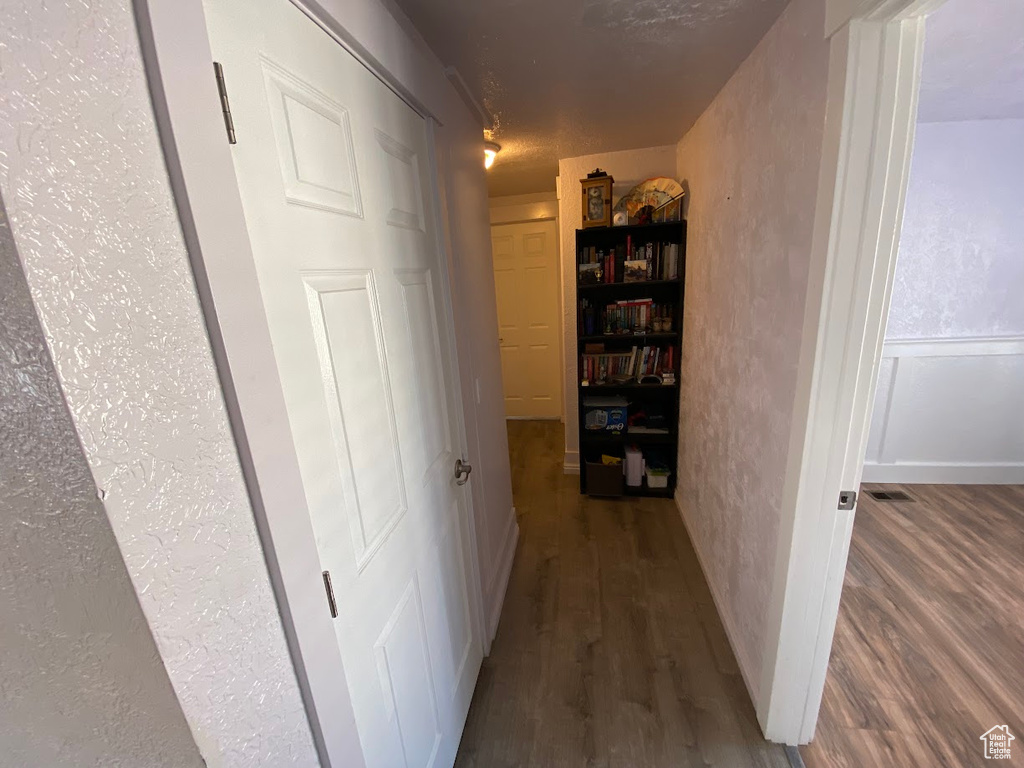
(665, 292)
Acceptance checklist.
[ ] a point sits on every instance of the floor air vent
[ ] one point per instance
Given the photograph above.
(889, 496)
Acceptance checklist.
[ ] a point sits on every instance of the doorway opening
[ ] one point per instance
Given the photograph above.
(526, 287)
(527, 284)
(930, 617)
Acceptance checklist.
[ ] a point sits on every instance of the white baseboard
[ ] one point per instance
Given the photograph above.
(730, 631)
(500, 582)
(944, 474)
(571, 463)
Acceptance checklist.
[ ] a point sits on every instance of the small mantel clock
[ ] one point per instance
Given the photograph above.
(597, 199)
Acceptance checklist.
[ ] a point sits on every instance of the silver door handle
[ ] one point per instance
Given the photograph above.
(462, 470)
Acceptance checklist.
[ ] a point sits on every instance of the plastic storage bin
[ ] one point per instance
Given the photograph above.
(657, 477)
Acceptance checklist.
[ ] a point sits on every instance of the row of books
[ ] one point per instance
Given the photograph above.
(602, 367)
(624, 367)
(629, 263)
(626, 317)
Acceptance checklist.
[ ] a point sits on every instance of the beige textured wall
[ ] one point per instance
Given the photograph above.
(627, 167)
(750, 164)
(514, 208)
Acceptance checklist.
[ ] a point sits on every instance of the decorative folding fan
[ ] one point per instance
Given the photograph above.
(653, 192)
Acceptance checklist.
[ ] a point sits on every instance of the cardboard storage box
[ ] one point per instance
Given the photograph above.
(605, 414)
(603, 479)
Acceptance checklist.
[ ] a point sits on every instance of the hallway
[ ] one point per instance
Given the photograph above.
(609, 652)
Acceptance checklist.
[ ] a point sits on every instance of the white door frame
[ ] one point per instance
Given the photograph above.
(874, 75)
(179, 66)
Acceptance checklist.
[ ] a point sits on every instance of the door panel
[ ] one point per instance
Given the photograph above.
(346, 327)
(421, 321)
(403, 664)
(314, 143)
(333, 174)
(453, 592)
(402, 183)
(526, 281)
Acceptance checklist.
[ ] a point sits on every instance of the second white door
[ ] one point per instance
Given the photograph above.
(333, 170)
(526, 281)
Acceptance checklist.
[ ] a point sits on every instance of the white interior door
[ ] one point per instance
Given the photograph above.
(526, 281)
(333, 173)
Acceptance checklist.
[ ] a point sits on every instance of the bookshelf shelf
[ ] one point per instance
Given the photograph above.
(641, 438)
(644, 230)
(643, 490)
(635, 338)
(615, 317)
(638, 286)
(631, 386)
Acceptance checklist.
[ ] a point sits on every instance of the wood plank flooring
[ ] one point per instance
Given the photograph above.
(610, 653)
(929, 647)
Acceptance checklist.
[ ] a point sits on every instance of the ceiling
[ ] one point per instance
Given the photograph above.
(564, 78)
(973, 62)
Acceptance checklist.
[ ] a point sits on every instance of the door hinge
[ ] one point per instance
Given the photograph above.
(847, 499)
(330, 595)
(225, 106)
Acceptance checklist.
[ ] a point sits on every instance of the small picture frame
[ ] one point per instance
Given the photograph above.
(636, 271)
(590, 274)
(670, 211)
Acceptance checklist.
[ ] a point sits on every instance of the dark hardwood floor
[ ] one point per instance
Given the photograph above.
(929, 647)
(610, 653)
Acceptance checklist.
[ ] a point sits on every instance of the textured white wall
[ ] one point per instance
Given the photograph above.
(628, 167)
(947, 408)
(81, 682)
(960, 269)
(750, 164)
(973, 62)
(92, 214)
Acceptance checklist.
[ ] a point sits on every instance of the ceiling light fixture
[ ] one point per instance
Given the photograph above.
(491, 151)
